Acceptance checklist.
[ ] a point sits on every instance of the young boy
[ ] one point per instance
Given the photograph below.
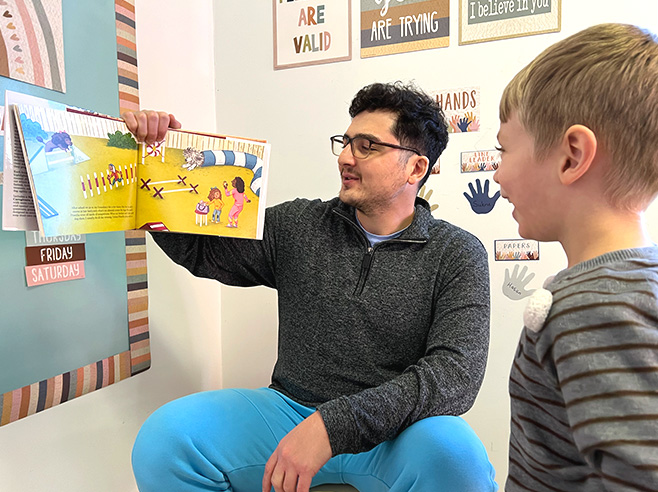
(579, 143)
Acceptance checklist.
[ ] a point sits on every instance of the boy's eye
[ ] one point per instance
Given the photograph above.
(499, 148)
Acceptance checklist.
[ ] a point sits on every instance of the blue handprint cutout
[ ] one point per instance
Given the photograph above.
(480, 201)
(463, 124)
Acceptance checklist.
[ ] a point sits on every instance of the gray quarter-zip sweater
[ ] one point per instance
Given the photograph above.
(376, 338)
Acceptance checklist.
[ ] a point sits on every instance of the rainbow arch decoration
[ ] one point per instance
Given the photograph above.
(32, 42)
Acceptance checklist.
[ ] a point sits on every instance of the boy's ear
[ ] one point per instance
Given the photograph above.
(579, 150)
(419, 164)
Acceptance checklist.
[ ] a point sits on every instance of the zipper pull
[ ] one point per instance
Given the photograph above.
(367, 258)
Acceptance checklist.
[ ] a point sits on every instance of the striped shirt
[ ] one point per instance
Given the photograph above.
(584, 388)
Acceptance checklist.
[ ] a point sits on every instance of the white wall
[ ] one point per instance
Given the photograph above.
(84, 445)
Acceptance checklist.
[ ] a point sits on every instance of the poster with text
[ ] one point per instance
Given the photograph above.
(479, 160)
(54, 259)
(400, 26)
(516, 249)
(310, 32)
(488, 20)
(461, 107)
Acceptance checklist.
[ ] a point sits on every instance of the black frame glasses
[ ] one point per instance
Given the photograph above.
(361, 146)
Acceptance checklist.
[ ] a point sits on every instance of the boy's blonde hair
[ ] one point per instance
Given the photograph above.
(605, 78)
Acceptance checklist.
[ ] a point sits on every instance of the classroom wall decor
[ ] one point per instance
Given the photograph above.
(51, 260)
(62, 340)
(472, 161)
(461, 106)
(307, 32)
(516, 249)
(515, 285)
(488, 20)
(401, 26)
(32, 42)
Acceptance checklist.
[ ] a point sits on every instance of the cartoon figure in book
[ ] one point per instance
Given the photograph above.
(215, 201)
(239, 197)
(58, 140)
(114, 175)
(201, 212)
(193, 158)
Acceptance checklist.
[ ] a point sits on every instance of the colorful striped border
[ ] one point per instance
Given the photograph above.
(140, 353)
(138, 321)
(127, 55)
(36, 397)
(45, 394)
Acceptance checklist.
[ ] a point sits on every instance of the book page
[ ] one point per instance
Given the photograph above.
(83, 169)
(203, 184)
(19, 155)
(18, 212)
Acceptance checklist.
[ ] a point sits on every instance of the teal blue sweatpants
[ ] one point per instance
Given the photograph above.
(221, 440)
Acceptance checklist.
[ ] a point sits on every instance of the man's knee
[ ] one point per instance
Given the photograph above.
(447, 448)
(445, 437)
(190, 421)
(204, 437)
(160, 439)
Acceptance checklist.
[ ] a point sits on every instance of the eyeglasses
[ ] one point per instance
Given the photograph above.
(361, 146)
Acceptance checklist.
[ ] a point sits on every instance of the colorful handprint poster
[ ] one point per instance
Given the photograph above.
(400, 26)
(479, 160)
(461, 107)
(32, 42)
(516, 249)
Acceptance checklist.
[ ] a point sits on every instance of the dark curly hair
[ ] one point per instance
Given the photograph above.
(420, 122)
(239, 184)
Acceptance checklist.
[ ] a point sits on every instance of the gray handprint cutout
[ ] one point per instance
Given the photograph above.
(515, 284)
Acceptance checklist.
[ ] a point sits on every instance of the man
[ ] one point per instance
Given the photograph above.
(383, 329)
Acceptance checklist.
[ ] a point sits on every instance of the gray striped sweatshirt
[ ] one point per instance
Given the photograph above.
(584, 389)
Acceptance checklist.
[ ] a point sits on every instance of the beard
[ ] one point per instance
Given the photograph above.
(351, 199)
(368, 203)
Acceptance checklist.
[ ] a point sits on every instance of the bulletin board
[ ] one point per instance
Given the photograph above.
(63, 340)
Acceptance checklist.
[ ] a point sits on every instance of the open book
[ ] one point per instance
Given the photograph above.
(70, 171)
